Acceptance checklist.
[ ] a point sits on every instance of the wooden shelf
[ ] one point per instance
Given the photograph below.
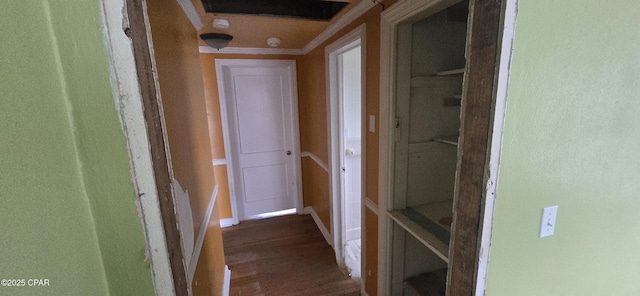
(450, 72)
(433, 81)
(424, 222)
(451, 140)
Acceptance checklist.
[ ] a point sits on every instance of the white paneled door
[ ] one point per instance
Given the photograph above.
(259, 98)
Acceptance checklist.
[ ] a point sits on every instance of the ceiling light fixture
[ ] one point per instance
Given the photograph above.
(216, 40)
(273, 41)
(221, 24)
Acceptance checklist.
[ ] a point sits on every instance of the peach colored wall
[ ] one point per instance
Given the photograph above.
(208, 279)
(315, 181)
(222, 179)
(175, 44)
(371, 256)
(215, 123)
(181, 89)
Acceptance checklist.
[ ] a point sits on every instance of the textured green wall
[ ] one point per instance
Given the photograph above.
(67, 207)
(572, 139)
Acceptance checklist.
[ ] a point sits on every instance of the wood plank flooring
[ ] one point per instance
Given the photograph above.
(284, 255)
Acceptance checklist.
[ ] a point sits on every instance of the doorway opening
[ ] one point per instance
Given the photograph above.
(346, 99)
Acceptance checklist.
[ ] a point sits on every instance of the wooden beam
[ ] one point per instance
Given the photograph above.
(138, 32)
(477, 117)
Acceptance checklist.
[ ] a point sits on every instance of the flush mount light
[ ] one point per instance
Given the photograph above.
(216, 40)
(273, 41)
(221, 24)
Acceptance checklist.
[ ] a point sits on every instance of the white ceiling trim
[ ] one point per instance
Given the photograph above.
(339, 24)
(250, 50)
(192, 14)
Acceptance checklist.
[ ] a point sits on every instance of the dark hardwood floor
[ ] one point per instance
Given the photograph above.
(284, 255)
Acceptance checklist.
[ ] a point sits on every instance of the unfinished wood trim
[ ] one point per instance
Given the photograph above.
(482, 54)
(139, 32)
(491, 183)
(127, 96)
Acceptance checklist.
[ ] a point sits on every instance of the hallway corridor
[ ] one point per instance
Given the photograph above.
(284, 255)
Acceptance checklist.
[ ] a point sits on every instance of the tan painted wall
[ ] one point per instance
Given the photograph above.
(215, 123)
(178, 65)
(370, 274)
(208, 279)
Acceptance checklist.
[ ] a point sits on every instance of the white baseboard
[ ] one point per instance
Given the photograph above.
(325, 232)
(226, 286)
(227, 222)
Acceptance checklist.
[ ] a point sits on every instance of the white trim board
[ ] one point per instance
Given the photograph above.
(226, 285)
(219, 161)
(227, 222)
(340, 23)
(316, 218)
(317, 160)
(192, 13)
(370, 205)
(201, 234)
(250, 50)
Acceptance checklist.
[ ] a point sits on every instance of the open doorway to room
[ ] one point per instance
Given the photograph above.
(345, 76)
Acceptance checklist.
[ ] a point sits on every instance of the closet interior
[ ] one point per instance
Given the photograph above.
(430, 69)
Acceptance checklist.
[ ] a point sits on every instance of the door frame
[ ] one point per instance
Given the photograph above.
(290, 65)
(136, 92)
(337, 204)
(488, 52)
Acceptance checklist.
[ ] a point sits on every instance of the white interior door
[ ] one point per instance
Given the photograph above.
(259, 98)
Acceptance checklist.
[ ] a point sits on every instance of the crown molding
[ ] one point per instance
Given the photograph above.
(192, 14)
(250, 50)
(339, 24)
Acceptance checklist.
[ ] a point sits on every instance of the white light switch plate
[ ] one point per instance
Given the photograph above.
(548, 223)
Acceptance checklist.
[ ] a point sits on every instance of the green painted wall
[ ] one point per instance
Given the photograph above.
(67, 209)
(572, 139)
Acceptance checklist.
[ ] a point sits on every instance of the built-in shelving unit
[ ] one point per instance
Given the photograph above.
(452, 140)
(428, 223)
(451, 72)
(426, 154)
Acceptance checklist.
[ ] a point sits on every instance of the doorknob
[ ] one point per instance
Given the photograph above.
(288, 152)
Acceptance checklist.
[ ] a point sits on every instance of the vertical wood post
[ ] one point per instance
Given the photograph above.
(477, 116)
